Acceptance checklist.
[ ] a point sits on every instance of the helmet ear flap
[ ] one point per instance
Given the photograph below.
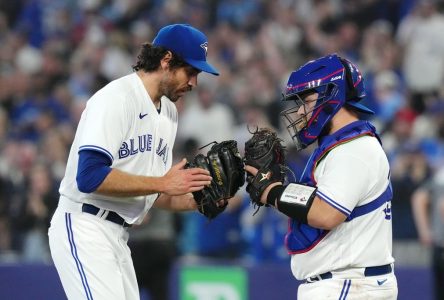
(351, 92)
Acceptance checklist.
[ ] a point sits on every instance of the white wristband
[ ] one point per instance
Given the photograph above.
(297, 194)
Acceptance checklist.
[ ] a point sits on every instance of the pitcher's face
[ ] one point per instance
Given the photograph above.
(175, 83)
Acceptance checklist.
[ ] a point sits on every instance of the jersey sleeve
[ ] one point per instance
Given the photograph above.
(105, 123)
(92, 169)
(344, 181)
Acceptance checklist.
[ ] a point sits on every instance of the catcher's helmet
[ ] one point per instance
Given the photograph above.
(337, 82)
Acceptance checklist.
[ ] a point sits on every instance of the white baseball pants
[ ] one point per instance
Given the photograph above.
(91, 256)
(382, 287)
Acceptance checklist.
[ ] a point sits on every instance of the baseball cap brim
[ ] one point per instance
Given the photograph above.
(360, 107)
(202, 66)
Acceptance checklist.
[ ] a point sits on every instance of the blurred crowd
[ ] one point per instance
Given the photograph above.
(55, 54)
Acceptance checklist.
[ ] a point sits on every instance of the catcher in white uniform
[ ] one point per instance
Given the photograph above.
(340, 228)
(120, 164)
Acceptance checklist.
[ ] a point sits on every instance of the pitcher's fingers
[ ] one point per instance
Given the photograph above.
(198, 171)
(200, 183)
(180, 164)
(203, 177)
(196, 188)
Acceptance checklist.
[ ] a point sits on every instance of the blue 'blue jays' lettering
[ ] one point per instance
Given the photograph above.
(162, 151)
(141, 144)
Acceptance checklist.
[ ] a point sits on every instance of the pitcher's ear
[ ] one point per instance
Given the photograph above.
(165, 61)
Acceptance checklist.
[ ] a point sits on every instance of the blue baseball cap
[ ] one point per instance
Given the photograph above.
(188, 42)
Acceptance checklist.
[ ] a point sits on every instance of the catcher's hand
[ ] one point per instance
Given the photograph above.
(225, 165)
(265, 152)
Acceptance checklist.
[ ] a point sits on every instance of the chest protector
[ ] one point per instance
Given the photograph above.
(301, 237)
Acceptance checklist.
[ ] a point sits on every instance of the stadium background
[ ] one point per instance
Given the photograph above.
(54, 54)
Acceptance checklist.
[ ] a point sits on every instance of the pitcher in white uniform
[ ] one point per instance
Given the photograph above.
(340, 226)
(120, 165)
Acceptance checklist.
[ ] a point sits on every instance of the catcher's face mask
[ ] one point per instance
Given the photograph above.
(336, 82)
(302, 117)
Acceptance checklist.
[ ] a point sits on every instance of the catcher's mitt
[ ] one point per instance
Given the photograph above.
(225, 165)
(264, 151)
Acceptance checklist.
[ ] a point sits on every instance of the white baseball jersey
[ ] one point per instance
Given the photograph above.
(352, 174)
(122, 122)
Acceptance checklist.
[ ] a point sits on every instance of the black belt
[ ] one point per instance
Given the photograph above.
(369, 271)
(112, 216)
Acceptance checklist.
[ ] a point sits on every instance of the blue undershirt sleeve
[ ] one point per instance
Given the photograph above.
(92, 169)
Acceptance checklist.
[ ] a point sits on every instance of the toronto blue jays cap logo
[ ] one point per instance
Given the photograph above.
(205, 47)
